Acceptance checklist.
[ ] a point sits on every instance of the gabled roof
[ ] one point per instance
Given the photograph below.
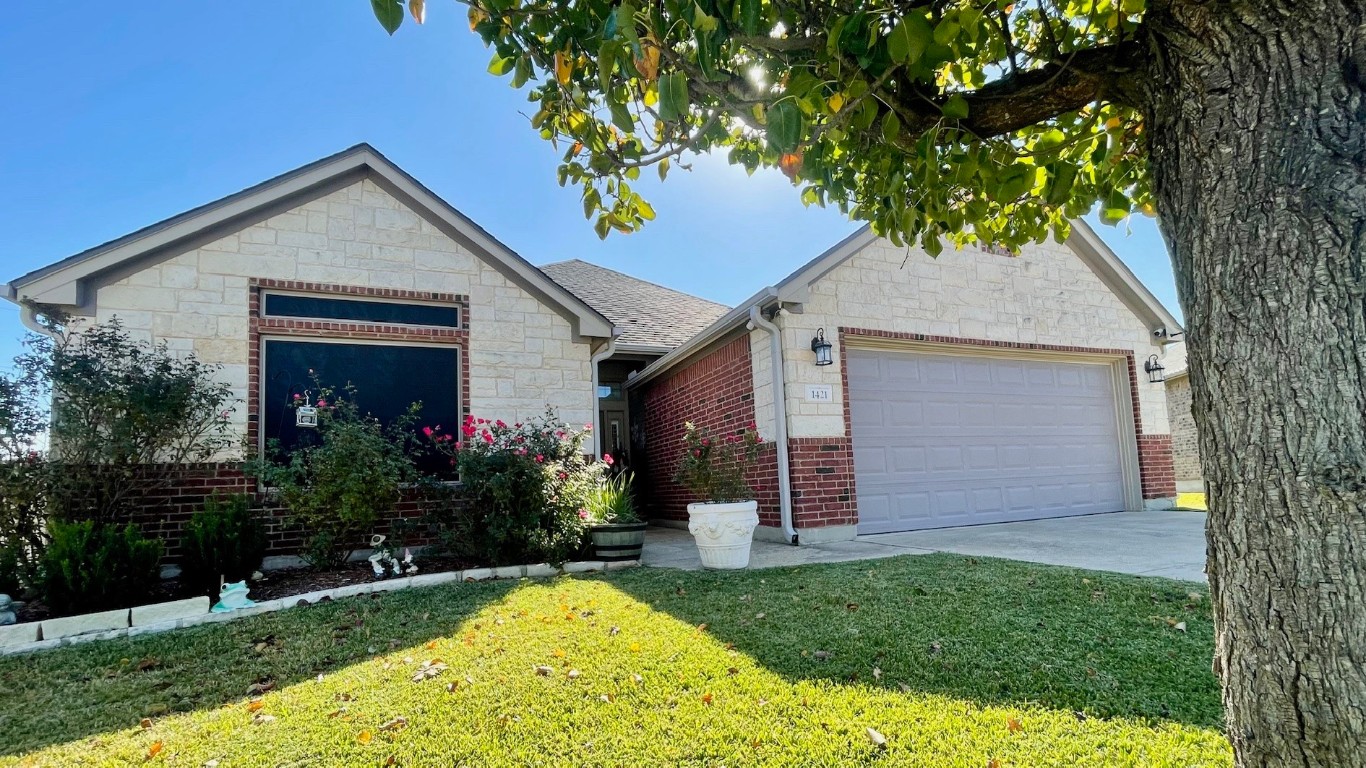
(794, 290)
(651, 318)
(70, 283)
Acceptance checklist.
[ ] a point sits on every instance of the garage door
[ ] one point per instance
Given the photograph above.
(944, 440)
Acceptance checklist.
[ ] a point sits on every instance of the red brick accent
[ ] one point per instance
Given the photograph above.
(282, 326)
(716, 393)
(1156, 466)
(822, 481)
(163, 512)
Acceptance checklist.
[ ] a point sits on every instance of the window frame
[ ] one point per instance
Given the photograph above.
(459, 307)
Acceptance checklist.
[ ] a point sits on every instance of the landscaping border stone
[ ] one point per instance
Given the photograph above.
(34, 636)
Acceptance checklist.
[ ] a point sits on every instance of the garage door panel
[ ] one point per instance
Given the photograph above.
(942, 440)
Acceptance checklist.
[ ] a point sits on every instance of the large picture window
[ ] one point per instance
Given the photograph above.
(387, 377)
(361, 310)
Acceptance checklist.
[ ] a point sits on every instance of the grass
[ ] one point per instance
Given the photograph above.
(951, 661)
(1191, 501)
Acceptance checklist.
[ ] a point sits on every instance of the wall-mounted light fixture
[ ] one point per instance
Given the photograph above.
(822, 348)
(1156, 373)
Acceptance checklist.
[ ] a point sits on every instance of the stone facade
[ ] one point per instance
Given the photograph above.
(1185, 446)
(521, 354)
(1046, 295)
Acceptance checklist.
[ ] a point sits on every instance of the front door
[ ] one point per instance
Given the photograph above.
(615, 438)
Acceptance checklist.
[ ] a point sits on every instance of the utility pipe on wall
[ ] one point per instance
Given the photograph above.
(606, 352)
(775, 341)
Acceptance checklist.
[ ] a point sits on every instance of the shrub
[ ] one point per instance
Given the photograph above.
(23, 536)
(714, 468)
(224, 541)
(338, 488)
(117, 405)
(90, 566)
(525, 489)
(612, 501)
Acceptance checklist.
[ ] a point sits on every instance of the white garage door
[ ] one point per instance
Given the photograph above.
(944, 440)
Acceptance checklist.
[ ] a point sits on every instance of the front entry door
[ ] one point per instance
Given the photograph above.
(615, 438)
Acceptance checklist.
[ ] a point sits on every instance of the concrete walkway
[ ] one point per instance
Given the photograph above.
(1169, 544)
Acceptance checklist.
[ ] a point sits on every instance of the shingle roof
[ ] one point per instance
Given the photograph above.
(648, 315)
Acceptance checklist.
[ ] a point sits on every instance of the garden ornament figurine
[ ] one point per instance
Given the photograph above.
(232, 597)
(382, 559)
(7, 609)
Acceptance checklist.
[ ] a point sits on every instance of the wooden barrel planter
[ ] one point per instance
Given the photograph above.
(615, 542)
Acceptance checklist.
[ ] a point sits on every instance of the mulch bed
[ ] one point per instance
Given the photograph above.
(280, 583)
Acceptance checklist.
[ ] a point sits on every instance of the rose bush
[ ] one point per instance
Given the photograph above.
(526, 488)
(714, 467)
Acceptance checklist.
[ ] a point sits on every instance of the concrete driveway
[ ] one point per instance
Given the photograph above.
(1169, 544)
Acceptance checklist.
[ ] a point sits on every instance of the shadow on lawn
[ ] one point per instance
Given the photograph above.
(65, 695)
(991, 631)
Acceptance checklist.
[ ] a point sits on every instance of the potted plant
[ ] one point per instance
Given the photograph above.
(714, 469)
(618, 532)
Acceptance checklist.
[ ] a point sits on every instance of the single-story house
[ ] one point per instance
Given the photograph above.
(971, 388)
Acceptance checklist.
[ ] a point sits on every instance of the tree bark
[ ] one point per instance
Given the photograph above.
(1257, 131)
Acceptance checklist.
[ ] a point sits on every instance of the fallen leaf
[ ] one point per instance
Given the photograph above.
(335, 713)
(431, 644)
(146, 722)
(256, 689)
(254, 705)
(635, 647)
(212, 763)
(706, 699)
(878, 739)
(637, 679)
(1181, 626)
(821, 655)
(993, 763)
(1013, 725)
(148, 663)
(877, 673)
(614, 631)
(542, 670)
(557, 653)
(573, 674)
(935, 647)
(760, 615)
(364, 737)
(702, 627)
(732, 671)
(154, 750)
(396, 724)
(904, 688)
(851, 607)
(261, 719)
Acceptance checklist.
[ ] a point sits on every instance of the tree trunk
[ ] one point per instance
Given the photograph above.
(1257, 130)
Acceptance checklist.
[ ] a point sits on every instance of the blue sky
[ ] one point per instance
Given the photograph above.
(118, 115)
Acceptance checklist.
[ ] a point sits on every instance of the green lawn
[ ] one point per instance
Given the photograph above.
(951, 661)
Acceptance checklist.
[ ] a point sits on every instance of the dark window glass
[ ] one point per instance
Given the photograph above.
(386, 380)
(330, 308)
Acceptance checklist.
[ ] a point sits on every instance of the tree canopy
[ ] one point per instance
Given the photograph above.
(992, 121)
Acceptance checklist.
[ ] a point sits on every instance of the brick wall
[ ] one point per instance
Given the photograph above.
(822, 481)
(1185, 446)
(1155, 466)
(180, 491)
(716, 392)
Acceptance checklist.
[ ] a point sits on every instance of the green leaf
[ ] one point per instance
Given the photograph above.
(501, 66)
(749, 16)
(389, 13)
(1060, 186)
(663, 168)
(956, 107)
(607, 63)
(622, 117)
(891, 127)
(915, 34)
(673, 96)
(785, 126)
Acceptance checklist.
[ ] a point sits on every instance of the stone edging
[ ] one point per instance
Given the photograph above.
(539, 570)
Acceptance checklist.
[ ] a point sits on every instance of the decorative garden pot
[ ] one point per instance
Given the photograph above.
(615, 542)
(723, 532)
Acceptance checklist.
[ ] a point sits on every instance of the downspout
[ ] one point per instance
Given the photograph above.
(775, 345)
(606, 352)
(28, 315)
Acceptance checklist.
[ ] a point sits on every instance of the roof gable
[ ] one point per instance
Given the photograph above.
(650, 317)
(69, 283)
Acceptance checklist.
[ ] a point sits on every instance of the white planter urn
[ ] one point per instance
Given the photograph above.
(723, 532)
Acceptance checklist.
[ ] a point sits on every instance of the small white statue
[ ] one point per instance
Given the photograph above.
(7, 611)
(382, 559)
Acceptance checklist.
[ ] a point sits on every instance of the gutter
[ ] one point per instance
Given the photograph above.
(606, 352)
(775, 340)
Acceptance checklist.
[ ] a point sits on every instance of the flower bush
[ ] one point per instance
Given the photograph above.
(525, 488)
(714, 467)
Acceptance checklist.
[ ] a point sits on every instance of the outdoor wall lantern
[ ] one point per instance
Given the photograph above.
(822, 348)
(1156, 373)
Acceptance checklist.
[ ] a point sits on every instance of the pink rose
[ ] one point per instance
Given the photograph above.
(520, 451)
(499, 423)
(608, 460)
(706, 442)
(540, 459)
(488, 438)
(427, 431)
(298, 397)
(697, 453)
(758, 439)
(587, 427)
(322, 403)
(583, 514)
